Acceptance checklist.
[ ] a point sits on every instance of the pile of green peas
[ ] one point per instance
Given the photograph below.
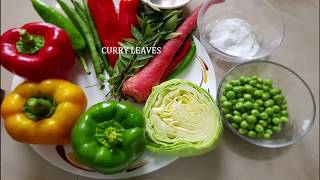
(254, 107)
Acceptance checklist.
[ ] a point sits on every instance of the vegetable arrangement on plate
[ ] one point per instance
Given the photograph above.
(179, 118)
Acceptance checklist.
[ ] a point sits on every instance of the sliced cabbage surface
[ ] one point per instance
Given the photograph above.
(182, 119)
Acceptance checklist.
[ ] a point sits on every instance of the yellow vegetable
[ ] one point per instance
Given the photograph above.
(44, 112)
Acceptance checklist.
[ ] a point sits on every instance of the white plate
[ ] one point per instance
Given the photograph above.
(200, 72)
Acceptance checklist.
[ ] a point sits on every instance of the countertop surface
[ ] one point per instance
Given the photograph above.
(232, 158)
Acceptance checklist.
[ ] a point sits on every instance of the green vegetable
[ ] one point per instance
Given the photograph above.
(86, 31)
(109, 137)
(156, 27)
(254, 107)
(182, 119)
(50, 15)
(96, 38)
(185, 62)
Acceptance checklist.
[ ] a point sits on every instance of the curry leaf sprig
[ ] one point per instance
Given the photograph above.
(155, 28)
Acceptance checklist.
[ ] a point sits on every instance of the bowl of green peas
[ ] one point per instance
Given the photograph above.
(266, 104)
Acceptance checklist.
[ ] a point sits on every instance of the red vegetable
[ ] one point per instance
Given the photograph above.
(37, 51)
(107, 24)
(128, 17)
(177, 59)
(140, 85)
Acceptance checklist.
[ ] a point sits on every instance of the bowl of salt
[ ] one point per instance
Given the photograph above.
(239, 31)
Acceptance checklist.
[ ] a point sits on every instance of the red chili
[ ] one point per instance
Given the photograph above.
(177, 59)
(107, 24)
(128, 17)
(37, 51)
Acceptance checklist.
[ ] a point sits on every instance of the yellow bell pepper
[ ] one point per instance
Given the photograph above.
(44, 112)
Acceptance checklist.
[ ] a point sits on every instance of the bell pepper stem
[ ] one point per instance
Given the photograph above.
(109, 133)
(29, 44)
(39, 107)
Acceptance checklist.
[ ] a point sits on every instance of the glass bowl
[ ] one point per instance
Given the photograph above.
(300, 101)
(265, 21)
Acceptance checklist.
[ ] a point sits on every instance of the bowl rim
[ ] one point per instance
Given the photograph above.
(253, 141)
(229, 57)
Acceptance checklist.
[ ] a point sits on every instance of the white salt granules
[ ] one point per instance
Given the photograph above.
(235, 37)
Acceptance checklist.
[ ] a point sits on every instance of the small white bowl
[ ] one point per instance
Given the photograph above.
(167, 4)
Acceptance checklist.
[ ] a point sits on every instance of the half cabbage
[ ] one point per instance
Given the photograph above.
(182, 119)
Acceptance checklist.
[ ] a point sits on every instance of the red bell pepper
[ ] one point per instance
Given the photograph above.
(177, 59)
(128, 17)
(37, 51)
(107, 24)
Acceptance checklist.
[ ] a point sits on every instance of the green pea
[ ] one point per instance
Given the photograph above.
(252, 134)
(251, 126)
(276, 121)
(259, 80)
(268, 131)
(264, 115)
(263, 123)
(244, 124)
(225, 110)
(276, 108)
(275, 91)
(237, 89)
(265, 96)
(278, 98)
(251, 119)
(253, 83)
(235, 82)
(239, 95)
(259, 86)
(276, 128)
(255, 112)
(233, 101)
(248, 79)
(284, 107)
(259, 128)
(241, 100)
(255, 106)
(269, 126)
(231, 95)
(278, 115)
(254, 77)
(235, 125)
(268, 82)
(242, 79)
(229, 117)
(227, 104)
(235, 112)
(261, 109)
(248, 105)
(247, 97)
(244, 115)
(239, 106)
(266, 136)
(243, 131)
(266, 88)
(248, 88)
(237, 118)
(284, 119)
(269, 120)
(269, 103)
(269, 110)
(260, 102)
(223, 98)
(228, 87)
(284, 112)
(258, 93)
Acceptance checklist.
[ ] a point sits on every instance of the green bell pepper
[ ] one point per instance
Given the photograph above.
(109, 137)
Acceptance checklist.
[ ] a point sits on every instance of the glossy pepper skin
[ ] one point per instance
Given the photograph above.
(109, 136)
(107, 24)
(128, 12)
(70, 101)
(54, 59)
